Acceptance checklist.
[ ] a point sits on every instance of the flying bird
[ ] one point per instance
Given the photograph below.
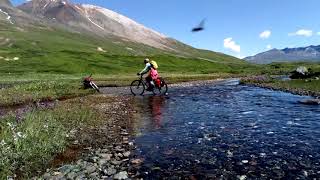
(200, 27)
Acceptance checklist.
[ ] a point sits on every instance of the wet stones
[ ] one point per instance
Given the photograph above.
(110, 171)
(121, 175)
(110, 162)
(137, 161)
(104, 156)
(310, 102)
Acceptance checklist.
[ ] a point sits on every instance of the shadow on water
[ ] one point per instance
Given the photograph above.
(227, 131)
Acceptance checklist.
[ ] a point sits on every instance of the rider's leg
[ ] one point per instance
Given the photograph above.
(148, 80)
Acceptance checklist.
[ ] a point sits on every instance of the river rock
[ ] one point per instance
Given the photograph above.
(126, 154)
(105, 156)
(110, 171)
(310, 102)
(46, 176)
(102, 162)
(90, 169)
(71, 175)
(115, 162)
(119, 149)
(65, 169)
(243, 177)
(300, 73)
(121, 175)
(136, 161)
(94, 175)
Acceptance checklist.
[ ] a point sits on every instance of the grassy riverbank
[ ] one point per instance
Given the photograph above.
(29, 92)
(309, 87)
(29, 142)
(30, 88)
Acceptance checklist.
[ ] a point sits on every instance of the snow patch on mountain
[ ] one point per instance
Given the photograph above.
(94, 23)
(88, 16)
(127, 22)
(8, 16)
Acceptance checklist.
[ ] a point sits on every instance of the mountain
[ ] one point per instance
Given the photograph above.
(16, 17)
(57, 36)
(310, 53)
(5, 3)
(95, 20)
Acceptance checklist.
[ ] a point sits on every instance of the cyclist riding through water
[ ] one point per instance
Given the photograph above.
(152, 75)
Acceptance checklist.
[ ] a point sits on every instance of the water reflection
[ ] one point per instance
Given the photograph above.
(155, 106)
(149, 116)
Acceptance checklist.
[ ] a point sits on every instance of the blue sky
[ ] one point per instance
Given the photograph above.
(236, 27)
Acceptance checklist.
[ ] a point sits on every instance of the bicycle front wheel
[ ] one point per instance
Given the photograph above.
(137, 87)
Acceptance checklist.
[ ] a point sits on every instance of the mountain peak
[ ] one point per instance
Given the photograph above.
(95, 20)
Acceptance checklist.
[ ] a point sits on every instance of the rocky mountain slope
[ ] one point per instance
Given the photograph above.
(310, 53)
(95, 20)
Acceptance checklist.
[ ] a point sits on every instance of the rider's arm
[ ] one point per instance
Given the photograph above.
(146, 69)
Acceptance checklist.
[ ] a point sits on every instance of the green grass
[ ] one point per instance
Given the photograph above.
(28, 146)
(298, 86)
(309, 85)
(286, 68)
(41, 91)
(54, 51)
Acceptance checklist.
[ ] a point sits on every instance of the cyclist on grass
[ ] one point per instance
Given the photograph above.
(152, 75)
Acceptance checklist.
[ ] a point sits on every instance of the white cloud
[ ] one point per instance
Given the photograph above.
(265, 34)
(230, 44)
(318, 33)
(269, 46)
(302, 32)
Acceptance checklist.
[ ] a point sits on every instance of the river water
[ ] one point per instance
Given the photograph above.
(227, 131)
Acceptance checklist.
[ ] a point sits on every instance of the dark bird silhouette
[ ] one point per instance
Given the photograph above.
(200, 27)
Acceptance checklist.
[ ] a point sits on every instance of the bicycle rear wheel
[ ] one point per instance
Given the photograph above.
(94, 86)
(137, 87)
(162, 90)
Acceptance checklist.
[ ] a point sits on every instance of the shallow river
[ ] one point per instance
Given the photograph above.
(227, 131)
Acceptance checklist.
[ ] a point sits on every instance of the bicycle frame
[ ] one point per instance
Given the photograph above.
(143, 81)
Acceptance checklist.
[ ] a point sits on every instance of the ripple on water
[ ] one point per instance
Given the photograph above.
(228, 130)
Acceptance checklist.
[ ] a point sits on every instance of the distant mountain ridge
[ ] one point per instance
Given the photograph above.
(309, 53)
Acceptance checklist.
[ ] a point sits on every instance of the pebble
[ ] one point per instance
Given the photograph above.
(244, 161)
(229, 154)
(115, 162)
(121, 175)
(136, 161)
(102, 162)
(94, 175)
(110, 171)
(90, 169)
(263, 154)
(126, 154)
(243, 177)
(71, 175)
(106, 156)
(119, 155)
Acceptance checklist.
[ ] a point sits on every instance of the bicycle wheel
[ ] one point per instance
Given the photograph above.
(137, 87)
(162, 90)
(94, 86)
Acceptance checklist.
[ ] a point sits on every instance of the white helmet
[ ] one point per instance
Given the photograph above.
(146, 60)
